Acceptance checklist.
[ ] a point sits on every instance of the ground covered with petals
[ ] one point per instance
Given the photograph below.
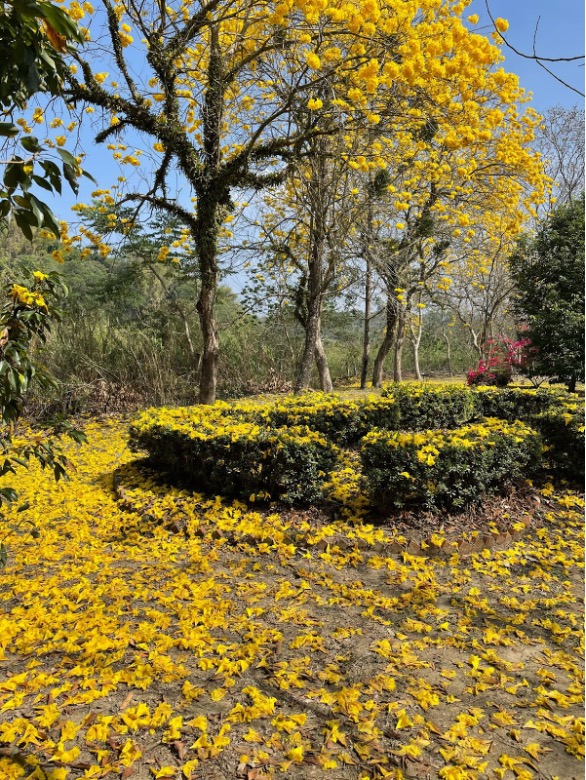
(150, 633)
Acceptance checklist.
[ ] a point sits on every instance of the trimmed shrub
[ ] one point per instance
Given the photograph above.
(423, 407)
(234, 458)
(518, 403)
(562, 432)
(344, 421)
(446, 469)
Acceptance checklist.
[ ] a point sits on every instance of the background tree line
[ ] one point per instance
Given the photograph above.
(390, 169)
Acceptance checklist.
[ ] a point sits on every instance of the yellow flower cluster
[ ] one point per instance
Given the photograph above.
(28, 297)
(429, 444)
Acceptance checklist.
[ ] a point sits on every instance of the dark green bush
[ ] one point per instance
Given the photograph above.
(234, 458)
(344, 421)
(423, 407)
(446, 469)
(562, 432)
(518, 403)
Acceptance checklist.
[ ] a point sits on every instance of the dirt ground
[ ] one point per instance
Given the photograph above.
(150, 633)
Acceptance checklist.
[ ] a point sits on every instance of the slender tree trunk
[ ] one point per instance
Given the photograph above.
(325, 380)
(399, 341)
(387, 342)
(367, 315)
(211, 348)
(312, 325)
(314, 349)
(211, 193)
(416, 341)
(476, 343)
(449, 352)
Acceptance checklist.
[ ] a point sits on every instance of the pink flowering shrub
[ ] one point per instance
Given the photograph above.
(502, 356)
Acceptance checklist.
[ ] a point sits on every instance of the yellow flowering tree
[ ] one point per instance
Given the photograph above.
(439, 145)
(450, 189)
(210, 87)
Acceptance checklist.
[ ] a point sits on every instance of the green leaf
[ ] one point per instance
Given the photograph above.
(8, 130)
(67, 157)
(31, 144)
(89, 176)
(49, 220)
(20, 217)
(15, 174)
(42, 183)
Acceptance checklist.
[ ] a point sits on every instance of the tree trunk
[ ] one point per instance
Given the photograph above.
(572, 384)
(325, 380)
(312, 325)
(209, 359)
(449, 350)
(387, 342)
(416, 341)
(210, 194)
(314, 349)
(399, 341)
(416, 360)
(366, 335)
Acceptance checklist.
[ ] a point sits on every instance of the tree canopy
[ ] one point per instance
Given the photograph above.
(549, 276)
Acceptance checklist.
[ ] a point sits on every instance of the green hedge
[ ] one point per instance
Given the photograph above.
(562, 432)
(422, 407)
(446, 469)
(344, 421)
(284, 449)
(237, 459)
(518, 403)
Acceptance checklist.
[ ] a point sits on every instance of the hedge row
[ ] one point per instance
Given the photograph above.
(423, 407)
(518, 403)
(344, 421)
(284, 449)
(237, 459)
(446, 469)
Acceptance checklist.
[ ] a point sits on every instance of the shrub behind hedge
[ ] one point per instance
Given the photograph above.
(343, 420)
(446, 469)
(422, 407)
(518, 403)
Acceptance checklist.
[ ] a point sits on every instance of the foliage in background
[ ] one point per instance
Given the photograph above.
(549, 276)
(35, 37)
(25, 318)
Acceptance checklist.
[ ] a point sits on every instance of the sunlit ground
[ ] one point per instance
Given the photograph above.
(148, 633)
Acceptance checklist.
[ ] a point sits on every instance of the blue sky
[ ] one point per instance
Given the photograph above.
(560, 33)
